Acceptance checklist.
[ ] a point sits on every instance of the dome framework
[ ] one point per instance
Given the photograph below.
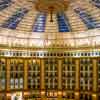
(49, 52)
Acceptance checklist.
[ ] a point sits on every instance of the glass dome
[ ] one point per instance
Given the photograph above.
(78, 25)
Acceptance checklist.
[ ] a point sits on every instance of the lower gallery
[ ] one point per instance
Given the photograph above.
(49, 49)
(41, 75)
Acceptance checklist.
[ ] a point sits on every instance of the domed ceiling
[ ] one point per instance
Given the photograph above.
(50, 15)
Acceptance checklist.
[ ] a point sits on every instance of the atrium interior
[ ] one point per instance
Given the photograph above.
(49, 49)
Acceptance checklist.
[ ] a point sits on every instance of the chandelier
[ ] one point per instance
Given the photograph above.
(51, 6)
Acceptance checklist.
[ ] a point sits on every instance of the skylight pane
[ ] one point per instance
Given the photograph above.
(4, 4)
(96, 3)
(39, 25)
(63, 23)
(86, 18)
(13, 21)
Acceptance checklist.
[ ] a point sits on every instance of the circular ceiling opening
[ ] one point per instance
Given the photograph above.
(54, 6)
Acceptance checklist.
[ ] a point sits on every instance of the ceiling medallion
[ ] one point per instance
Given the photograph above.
(51, 6)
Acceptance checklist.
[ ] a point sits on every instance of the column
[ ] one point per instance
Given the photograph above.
(59, 79)
(77, 86)
(94, 95)
(8, 74)
(8, 78)
(59, 74)
(25, 74)
(42, 68)
(42, 74)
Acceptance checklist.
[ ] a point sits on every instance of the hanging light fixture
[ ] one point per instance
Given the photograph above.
(51, 6)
